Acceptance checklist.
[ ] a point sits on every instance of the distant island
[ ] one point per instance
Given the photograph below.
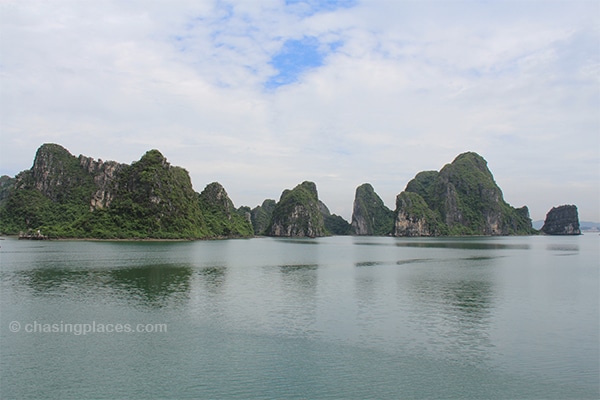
(64, 196)
(461, 199)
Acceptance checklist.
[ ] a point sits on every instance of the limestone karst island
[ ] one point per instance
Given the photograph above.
(64, 196)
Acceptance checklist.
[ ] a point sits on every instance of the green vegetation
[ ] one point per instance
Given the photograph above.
(414, 209)
(66, 196)
(261, 216)
(423, 184)
(7, 184)
(336, 225)
(463, 199)
(220, 214)
(152, 199)
(370, 215)
(49, 196)
(297, 213)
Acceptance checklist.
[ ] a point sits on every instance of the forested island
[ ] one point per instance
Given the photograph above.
(64, 196)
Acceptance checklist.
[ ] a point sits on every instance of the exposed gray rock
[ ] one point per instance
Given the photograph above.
(105, 175)
(215, 195)
(370, 216)
(298, 213)
(261, 216)
(562, 220)
(463, 199)
(56, 174)
(413, 217)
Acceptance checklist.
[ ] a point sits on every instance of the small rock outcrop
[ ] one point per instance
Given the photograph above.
(298, 213)
(562, 220)
(370, 216)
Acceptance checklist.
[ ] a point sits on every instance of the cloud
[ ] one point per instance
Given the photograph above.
(261, 95)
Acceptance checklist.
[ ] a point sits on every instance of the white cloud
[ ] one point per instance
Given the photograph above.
(404, 86)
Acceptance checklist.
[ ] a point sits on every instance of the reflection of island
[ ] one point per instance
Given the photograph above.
(466, 244)
(150, 285)
(52, 281)
(296, 309)
(153, 285)
(470, 301)
(213, 278)
(299, 280)
(455, 311)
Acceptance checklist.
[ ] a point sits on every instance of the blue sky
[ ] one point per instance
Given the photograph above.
(308, 8)
(262, 95)
(295, 57)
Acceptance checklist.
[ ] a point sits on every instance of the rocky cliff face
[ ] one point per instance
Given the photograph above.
(81, 197)
(104, 174)
(461, 199)
(260, 216)
(214, 195)
(298, 213)
(64, 178)
(151, 199)
(562, 220)
(56, 174)
(370, 216)
(414, 218)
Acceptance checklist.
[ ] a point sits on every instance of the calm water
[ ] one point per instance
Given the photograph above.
(338, 317)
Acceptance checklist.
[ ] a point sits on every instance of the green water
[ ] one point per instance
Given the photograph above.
(338, 317)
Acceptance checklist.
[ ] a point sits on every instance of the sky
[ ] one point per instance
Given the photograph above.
(261, 95)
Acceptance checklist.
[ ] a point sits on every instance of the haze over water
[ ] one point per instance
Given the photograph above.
(336, 317)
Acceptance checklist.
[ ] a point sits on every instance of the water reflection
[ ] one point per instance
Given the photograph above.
(468, 317)
(286, 269)
(213, 278)
(414, 261)
(296, 311)
(368, 263)
(454, 312)
(471, 300)
(151, 285)
(466, 244)
(371, 296)
(463, 245)
(298, 241)
(53, 281)
(563, 247)
(300, 278)
(208, 293)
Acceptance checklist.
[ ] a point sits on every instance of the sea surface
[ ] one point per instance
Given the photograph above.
(335, 317)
